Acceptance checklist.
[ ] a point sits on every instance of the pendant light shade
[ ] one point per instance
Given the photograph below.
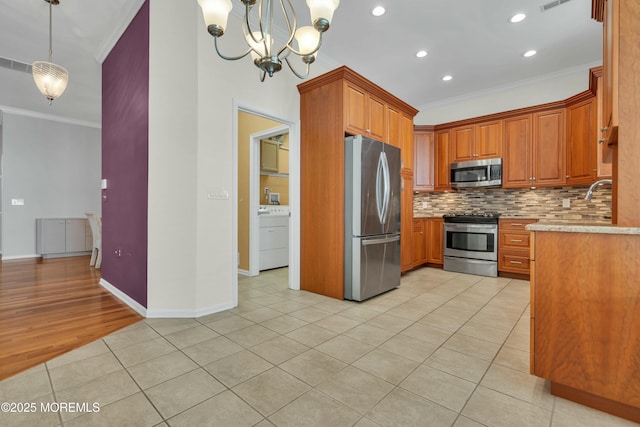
(51, 79)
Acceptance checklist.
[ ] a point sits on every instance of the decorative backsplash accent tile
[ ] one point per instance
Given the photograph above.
(543, 203)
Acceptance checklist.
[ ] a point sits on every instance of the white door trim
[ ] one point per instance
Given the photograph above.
(254, 194)
(294, 191)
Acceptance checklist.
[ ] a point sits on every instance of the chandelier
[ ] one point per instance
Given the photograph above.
(266, 53)
(51, 79)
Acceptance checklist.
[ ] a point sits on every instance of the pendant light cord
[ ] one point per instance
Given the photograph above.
(50, 32)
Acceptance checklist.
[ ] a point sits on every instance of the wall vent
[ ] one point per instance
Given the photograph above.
(552, 4)
(15, 65)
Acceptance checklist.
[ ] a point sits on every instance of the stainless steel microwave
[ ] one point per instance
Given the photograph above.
(477, 173)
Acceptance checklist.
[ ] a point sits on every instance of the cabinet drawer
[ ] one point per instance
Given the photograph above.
(515, 223)
(514, 262)
(514, 239)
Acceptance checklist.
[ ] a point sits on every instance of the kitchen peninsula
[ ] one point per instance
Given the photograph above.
(585, 313)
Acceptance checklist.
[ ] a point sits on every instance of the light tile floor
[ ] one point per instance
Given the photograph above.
(444, 349)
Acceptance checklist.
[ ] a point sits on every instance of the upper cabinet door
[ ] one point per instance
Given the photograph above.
(377, 120)
(516, 164)
(441, 151)
(423, 161)
(355, 110)
(365, 114)
(488, 142)
(581, 143)
(462, 143)
(549, 148)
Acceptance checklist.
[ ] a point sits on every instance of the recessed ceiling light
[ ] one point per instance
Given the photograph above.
(421, 54)
(378, 11)
(518, 17)
(529, 53)
(447, 78)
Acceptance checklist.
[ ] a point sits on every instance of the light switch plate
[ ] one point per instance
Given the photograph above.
(17, 202)
(566, 203)
(103, 184)
(425, 205)
(217, 193)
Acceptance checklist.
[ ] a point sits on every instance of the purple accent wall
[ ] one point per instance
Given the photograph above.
(125, 149)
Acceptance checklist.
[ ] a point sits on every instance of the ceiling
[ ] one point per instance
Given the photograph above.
(468, 39)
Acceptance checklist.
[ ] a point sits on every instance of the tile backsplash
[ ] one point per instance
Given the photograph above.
(544, 203)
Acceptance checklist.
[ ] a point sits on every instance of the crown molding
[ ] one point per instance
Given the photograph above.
(43, 116)
(118, 30)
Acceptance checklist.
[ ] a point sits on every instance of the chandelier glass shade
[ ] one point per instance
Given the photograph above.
(51, 79)
(267, 54)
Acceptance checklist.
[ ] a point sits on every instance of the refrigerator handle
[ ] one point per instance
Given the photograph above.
(380, 190)
(379, 241)
(387, 187)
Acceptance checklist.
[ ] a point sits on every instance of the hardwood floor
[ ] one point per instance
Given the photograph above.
(49, 307)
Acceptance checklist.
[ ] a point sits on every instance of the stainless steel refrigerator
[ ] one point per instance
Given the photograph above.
(372, 217)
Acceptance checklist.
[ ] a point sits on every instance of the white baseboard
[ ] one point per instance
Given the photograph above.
(163, 313)
(190, 314)
(244, 272)
(135, 305)
(8, 258)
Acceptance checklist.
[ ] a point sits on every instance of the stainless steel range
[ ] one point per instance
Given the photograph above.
(471, 243)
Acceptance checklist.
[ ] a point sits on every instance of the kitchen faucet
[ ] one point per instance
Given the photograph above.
(596, 184)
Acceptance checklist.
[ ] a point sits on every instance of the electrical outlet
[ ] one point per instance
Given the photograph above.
(566, 203)
(266, 190)
(425, 205)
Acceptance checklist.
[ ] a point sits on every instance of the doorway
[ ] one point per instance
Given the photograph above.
(247, 188)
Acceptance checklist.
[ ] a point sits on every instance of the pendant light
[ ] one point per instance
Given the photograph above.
(51, 79)
(267, 54)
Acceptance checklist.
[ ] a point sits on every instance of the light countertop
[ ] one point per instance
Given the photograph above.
(578, 226)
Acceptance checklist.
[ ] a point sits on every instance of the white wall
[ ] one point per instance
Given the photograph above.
(55, 167)
(549, 88)
(191, 152)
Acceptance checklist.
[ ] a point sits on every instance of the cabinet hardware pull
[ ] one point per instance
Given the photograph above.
(567, 176)
(516, 241)
(515, 262)
(516, 224)
(604, 129)
(602, 140)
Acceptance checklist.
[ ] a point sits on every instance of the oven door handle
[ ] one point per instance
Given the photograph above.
(468, 227)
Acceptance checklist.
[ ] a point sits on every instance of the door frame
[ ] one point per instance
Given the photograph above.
(254, 194)
(294, 191)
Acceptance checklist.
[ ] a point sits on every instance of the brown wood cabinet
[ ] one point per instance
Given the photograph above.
(534, 150)
(476, 141)
(419, 242)
(610, 49)
(604, 151)
(517, 164)
(549, 148)
(423, 152)
(621, 102)
(435, 241)
(584, 318)
(364, 113)
(582, 156)
(406, 142)
(333, 105)
(442, 177)
(513, 245)
(406, 244)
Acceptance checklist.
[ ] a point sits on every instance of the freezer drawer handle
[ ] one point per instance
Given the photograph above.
(382, 240)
